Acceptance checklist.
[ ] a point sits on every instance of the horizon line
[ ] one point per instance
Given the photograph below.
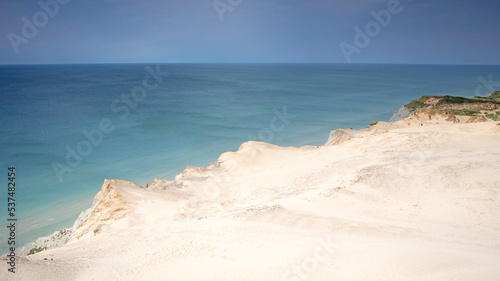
(241, 63)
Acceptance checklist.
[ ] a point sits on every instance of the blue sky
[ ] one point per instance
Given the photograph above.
(129, 31)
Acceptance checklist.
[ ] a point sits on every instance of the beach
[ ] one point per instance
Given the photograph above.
(250, 140)
(415, 199)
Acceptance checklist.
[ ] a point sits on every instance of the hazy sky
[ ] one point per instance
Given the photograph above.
(116, 31)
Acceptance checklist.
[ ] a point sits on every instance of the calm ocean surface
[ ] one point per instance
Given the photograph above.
(66, 128)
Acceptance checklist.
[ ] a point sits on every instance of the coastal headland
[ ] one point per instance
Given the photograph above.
(416, 198)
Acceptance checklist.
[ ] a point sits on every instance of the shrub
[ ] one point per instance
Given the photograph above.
(36, 250)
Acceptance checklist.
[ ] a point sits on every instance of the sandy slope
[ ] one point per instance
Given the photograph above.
(413, 200)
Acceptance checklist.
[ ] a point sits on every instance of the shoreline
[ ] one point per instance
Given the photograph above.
(263, 184)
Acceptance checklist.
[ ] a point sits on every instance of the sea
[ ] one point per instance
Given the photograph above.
(67, 128)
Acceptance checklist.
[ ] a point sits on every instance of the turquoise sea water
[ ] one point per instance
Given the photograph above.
(192, 115)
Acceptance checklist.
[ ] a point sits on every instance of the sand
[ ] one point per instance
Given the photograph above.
(417, 199)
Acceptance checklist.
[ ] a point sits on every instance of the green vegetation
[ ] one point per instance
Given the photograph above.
(458, 100)
(466, 112)
(36, 250)
(494, 117)
(495, 96)
(440, 103)
(421, 102)
(373, 124)
(416, 104)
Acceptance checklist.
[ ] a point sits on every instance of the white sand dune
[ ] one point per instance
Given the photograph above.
(417, 199)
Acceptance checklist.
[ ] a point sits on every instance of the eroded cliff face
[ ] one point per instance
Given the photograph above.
(433, 115)
(401, 113)
(108, 207)
(477, 108)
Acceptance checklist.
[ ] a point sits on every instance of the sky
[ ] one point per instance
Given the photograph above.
(250, 31)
